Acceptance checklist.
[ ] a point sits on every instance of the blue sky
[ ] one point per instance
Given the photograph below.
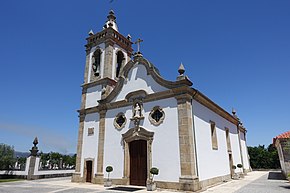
(235, 52)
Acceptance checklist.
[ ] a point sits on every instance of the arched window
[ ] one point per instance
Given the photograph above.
(97, 62)
(120, 59)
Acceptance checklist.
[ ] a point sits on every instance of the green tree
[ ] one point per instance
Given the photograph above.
(55, 157)
(7, 159)
(264, 158)
(274, 157)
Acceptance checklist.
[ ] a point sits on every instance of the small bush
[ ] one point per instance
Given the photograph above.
(109, 169)
(239, 165)
(154, 171)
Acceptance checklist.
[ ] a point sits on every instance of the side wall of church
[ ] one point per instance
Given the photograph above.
(211, 162)
(90, 141)
(165, 146)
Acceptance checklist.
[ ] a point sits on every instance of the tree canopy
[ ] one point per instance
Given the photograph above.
(264, 158)
(6, 157)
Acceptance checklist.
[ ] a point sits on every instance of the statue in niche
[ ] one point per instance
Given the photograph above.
(137, 111)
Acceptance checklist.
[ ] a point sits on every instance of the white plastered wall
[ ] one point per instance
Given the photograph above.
(90, 143)
(165, 145)
(213, 163)
(93, 95)
(138, 79)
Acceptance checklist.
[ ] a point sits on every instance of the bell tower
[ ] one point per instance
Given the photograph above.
(106, 53)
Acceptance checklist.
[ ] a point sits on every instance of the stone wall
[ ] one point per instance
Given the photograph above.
(32, 171)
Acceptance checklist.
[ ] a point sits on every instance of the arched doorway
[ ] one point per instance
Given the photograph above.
(138, 162)
(137, 155)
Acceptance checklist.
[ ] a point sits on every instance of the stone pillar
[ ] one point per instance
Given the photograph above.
(108, 63)
(87, 66)
(76, 177)
(31, 168)
(99, 178)
(32, 162)
(126, 174)
(188, 179)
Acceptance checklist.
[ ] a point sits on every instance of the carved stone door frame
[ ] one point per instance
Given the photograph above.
(138, 133)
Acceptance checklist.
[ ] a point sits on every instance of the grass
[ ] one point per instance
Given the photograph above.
(10, 180)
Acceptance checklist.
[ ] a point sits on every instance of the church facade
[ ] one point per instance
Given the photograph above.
(132, 119)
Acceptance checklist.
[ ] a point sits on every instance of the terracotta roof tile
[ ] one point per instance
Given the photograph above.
(284, 135)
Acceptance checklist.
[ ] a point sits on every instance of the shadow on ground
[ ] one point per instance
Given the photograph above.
(286, 187)
(276, 175)
(126, 189)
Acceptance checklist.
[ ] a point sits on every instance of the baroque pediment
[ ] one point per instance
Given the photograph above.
(151, 78)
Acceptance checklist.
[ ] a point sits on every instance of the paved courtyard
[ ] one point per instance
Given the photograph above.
(254, 182)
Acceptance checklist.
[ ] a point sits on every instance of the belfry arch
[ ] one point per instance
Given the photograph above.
(97, 62)
(120, 62)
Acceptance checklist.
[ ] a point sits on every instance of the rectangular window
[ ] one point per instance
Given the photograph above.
(90, 131)
(228, 139)
(214, 142)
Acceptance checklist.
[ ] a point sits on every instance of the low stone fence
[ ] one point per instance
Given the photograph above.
(32, 171)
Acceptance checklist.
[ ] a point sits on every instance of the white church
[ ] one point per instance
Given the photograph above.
(132, 119)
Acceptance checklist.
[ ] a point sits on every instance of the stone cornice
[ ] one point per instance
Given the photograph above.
(183, 92)
(242, 129)
(112, 36)
(204, 100)
(146, 98)
(103, 81)
(151, 70)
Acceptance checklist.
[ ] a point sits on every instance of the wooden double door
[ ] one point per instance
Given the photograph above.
(138, 162)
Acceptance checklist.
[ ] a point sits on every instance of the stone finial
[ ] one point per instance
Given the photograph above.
(234, 111)
(91, 32)
(34, 149)
(35, 141)
(111, 22)
(129, 37)
(181, 69)
(111, 15)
